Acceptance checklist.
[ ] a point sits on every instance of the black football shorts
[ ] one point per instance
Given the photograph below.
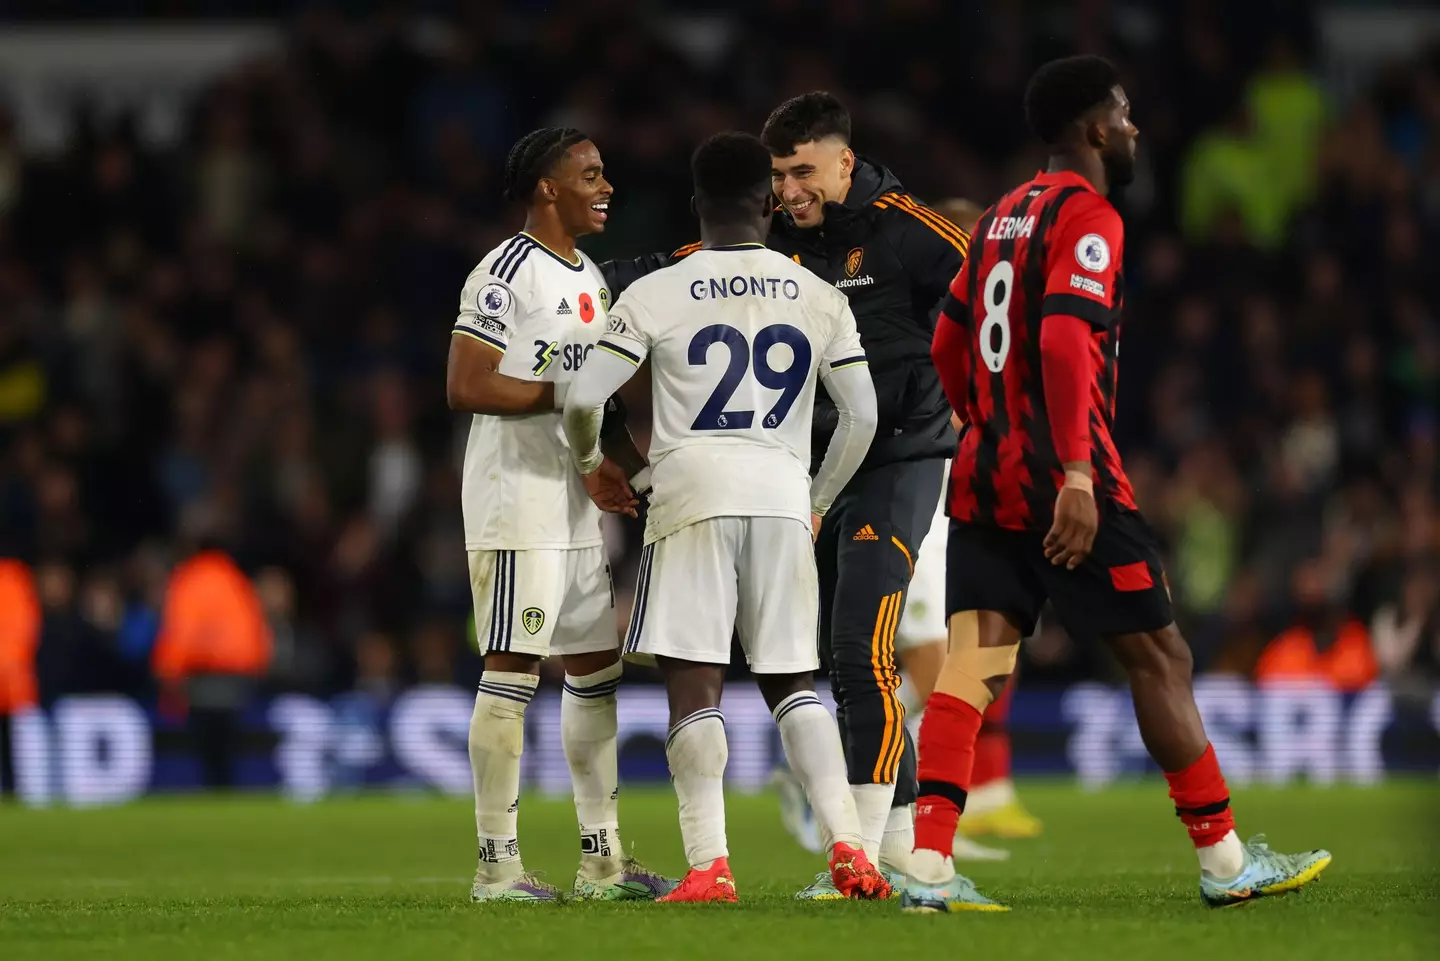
(1119, 589)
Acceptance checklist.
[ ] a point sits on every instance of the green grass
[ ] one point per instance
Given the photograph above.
(388, 878)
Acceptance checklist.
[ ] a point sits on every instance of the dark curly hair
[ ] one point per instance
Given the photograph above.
(732, 176)
(534, 156)
(1063, 91)
(803, 119)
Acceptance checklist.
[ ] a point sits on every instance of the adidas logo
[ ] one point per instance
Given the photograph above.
(564, 307)
(866, 533)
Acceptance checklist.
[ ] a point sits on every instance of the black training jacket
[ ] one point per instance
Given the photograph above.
(894, 258)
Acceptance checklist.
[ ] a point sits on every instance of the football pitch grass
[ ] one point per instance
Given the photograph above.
(387, 877)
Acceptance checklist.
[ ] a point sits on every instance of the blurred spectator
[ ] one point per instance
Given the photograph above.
(249, 323)
(1406, 635)
(214, 643)
(1324, 645)
(19, 638)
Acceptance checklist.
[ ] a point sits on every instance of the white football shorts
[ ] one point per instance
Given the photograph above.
(923, 620)
(543, 602)
(716, 577)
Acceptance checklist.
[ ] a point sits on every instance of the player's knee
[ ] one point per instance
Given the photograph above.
(976, 668)
(510, 663)
(579, 665)
(775, 688)
(1162, 656)
(856, 664)
(977, 675)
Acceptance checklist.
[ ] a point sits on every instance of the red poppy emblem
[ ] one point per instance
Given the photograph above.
(587, 308)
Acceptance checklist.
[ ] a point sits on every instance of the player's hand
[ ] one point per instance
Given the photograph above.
(1073, 533)
(609, 488)
(815, 521)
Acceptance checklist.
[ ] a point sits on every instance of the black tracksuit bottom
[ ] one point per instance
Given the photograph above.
(865, 555)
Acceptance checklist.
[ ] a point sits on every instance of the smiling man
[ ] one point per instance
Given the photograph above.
(530, 314)
(849, 221)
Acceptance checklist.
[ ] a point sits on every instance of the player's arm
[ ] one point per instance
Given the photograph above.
(615, 359)
(473, 385)
(931, 248)
(621, 273)
(846, 375)
(1079, 298)
(617, 444)
(478, 341)
(950, 346)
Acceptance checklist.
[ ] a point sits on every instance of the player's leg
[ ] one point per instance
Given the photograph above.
(890, 508)
(777, 614)
(504, 584)
(795, 811)
(684, 618)
(586, 639)
(920, 645)
(1120, 594)
(995, 601)
(992, 806)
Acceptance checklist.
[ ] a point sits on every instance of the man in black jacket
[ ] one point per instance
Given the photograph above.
(851, 222)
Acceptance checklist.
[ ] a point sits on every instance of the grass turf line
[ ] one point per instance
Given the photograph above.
(387, 878)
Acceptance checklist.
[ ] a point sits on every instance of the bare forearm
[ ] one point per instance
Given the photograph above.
(496, 393)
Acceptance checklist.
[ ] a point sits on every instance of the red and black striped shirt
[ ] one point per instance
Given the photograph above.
(1050, 247)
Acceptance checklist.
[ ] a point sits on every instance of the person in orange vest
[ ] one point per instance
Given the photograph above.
(1325, 645)
(214, 644)
(19, 638)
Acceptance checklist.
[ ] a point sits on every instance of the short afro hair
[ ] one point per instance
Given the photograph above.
(804, 119)
(1063, 91)
(732, 175)
(534, 156)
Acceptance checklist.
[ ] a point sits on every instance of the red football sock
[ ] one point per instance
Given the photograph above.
(992, 748)
(947, 758)
(1202, 801)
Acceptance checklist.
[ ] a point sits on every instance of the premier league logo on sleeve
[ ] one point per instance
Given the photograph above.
(1093, 253)
(493, 301)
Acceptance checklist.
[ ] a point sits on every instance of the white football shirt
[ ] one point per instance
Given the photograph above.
(519, 490)
(736, 337)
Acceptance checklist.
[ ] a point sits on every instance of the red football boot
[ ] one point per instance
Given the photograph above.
(855, 876)
(715, 883)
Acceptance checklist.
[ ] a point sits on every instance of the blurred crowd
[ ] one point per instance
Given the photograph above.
(231, 353)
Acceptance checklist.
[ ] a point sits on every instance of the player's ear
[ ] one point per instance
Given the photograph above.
(549, 190)
(695, 207)
(1094, 133)
(847, 161)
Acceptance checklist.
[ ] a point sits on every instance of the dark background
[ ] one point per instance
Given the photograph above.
(225, 304)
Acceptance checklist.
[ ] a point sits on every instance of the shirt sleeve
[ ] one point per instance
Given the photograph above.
(488, 311)
(583, 421)
(854, 395)
(844, 349)
(932, 249)
(1085, 259)
(625, 335)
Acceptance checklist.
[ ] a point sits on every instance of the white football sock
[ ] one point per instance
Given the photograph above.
(990, 796)
(931, 867)
(497, 736)
(872, 801)
(587, 731)
(899, 839)
(1223, 859)
(812, 746)
(697, 753)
